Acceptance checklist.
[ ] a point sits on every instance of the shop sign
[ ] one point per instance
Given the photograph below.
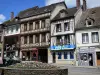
(62, 47)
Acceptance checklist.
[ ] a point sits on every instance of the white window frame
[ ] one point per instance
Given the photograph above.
(86, 37)
(94, 39)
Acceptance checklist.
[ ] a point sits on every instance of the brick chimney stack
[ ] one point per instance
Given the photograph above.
(84, 5)
(78, 4)
(12, 16)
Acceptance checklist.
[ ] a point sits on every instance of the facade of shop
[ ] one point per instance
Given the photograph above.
(35, 32)
(88, 38)
(62, 37)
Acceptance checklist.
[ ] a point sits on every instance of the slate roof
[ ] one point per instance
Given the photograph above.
(94, 14)
(33, 11)
(10, 22)
(69, 12)
(36, 10)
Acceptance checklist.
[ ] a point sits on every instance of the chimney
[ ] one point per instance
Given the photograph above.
(84, 5)
(12, 16)
(78, 4)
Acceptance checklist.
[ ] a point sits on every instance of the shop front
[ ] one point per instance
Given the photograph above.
(30, 55)
(86, 56)
(63, 54)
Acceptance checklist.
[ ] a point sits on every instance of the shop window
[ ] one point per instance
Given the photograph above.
(65, 55)
(98, 56)
(59, 55)
(95, 37)
(71, 55)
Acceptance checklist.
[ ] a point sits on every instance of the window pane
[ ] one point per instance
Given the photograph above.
(71, 55)
(67, 39)
(59, 55)
(31, 38)
(95, 37)
(66, 26)
(58, 40)
(65, 55)
(85, 38)
(58, 28)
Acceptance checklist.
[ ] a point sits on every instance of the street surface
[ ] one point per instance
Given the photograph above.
(73, 70)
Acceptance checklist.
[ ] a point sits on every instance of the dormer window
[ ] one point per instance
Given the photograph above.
(89, 21)
(62, 14)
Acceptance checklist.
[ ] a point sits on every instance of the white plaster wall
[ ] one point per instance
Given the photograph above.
(14, 30)
(79, 37)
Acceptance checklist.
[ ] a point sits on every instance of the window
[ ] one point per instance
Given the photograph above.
(43, 39)
(17, 27)
(25, 27)
(25, 40)
(71, 55)
(95, 37)
(67, 39)
(0, 39)
(37, 25)
(59, 55)
(36, 38)
(58, 28)
(31, 39)
(85, 38)
(98, 55)
(62, 14)
(66, 26)
(43, 24)
(12, 28)
(65, 55)
(31, 26)
(59, 40)
(89, 22)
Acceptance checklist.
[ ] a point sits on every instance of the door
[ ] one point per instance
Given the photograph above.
(90, 57)
(98, 58)
(54, 57)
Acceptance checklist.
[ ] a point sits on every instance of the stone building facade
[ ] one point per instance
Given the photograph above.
(35, 32)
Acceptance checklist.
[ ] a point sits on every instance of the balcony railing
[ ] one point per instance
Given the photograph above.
(36, 30)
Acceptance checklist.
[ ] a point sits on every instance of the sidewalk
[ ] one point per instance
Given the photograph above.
(74, 66)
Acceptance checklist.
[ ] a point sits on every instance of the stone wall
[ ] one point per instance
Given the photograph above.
(8, 71)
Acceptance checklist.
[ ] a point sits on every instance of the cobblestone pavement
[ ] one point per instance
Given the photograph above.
(73, 70)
